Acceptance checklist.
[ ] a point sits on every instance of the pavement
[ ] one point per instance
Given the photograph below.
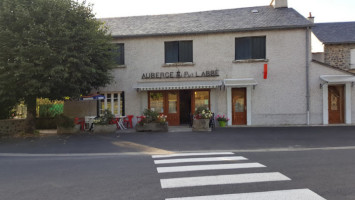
(221, 139)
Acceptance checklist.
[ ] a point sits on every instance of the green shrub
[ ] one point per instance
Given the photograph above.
(105, 119)
(150, 116)
(64, 121)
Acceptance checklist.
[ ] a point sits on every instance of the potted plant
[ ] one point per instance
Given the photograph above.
(201, 119)
(152, 122)
(104, 123)
(222, 120)
(65, 125)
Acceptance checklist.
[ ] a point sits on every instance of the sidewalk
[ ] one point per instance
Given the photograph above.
(219, 139)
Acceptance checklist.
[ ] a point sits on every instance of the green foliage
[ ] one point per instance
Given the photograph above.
(149, 116)
(64, 121)
(50, 110)
(203, 112)
(51, 49)
(105, 119)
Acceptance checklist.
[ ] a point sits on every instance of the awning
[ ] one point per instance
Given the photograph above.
(177, 85)
(333, 79)
(239, 82)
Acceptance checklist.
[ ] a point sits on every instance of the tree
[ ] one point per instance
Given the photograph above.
(51, 49)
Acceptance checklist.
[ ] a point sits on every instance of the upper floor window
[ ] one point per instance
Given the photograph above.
(178, 51)
(119, 56)
(250, 48)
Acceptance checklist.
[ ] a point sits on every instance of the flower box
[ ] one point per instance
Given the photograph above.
(152, 127)
(107, 128)
(201, 125)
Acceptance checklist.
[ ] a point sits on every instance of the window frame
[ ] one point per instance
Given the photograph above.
(120, 59)
(254, 49)
(182, 46)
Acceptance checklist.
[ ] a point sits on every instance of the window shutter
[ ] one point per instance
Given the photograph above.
(185, 51)
(171, 52)
(258, 48)
(242, 48)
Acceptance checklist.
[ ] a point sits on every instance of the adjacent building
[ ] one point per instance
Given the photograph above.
(252, 64)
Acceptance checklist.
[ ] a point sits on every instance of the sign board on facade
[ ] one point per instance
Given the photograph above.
(178, 74)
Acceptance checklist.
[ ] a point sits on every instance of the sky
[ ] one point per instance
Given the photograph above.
(322, 10)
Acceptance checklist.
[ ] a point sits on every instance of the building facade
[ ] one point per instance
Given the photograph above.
(251, 64)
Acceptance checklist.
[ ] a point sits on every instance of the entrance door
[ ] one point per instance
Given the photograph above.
(239, 106)
(172, 108)
(167, 103)
(336, 104)
(185, 106)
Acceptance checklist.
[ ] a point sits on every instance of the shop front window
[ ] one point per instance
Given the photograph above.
(172, 98)
(202, 98)
(156, 100)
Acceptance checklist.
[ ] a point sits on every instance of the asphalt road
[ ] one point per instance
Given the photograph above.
(318, 160)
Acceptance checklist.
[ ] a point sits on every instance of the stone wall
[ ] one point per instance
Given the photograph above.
(12, 126)
(338, 55)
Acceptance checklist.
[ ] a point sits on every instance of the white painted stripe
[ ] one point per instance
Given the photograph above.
(184, 160)
(208, 167)
(192, 154)
(222, 179)
(297, 194)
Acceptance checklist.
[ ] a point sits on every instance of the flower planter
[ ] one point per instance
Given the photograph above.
(152, 127)
(222, 123)
(66, 130)
(201, 125)
(109, 128)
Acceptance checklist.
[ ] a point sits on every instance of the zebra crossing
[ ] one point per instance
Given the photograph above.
(191, 162)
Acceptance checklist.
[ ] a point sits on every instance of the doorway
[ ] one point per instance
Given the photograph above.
(185, 106)
(239, 106)
(336, 104)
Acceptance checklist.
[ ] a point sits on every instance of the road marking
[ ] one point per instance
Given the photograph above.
(192, 154)
(208, 167)
(209, 159)
(142, 148)
(222, 179)
(297, 194)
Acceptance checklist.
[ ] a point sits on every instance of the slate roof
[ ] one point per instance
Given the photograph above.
(230, 20)
(335, 33)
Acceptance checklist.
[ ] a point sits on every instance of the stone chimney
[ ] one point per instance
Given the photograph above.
(311, 18)
(279, 3)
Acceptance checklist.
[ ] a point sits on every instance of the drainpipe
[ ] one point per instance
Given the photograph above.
(307, 73)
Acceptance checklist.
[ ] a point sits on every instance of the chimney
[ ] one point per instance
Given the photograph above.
(311, 18)
(279, 3)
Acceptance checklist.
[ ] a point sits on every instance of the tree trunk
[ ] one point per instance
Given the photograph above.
(30, 124)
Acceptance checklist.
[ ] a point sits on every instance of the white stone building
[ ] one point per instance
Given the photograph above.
(252, 64)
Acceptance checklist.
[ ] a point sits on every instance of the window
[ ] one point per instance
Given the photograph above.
(178, 51)
(156, 101)
(119, 57)
(250, 48)
(202, 98)
(352, 59)
(113, 102)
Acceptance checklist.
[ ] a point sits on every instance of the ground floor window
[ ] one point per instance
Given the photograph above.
(201, 98)
(114, 102)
